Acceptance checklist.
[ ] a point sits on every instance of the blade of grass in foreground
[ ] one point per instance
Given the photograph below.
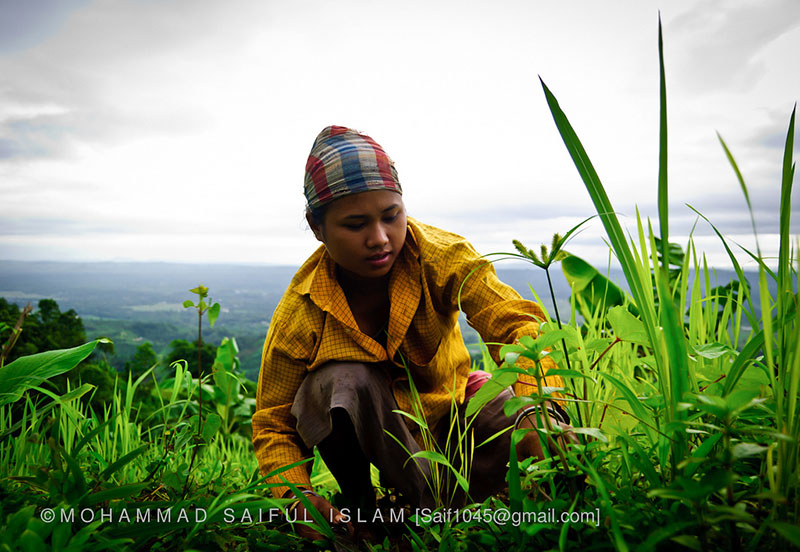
(740, 178)
(671, 321)
(788, 348)
(606, 212)
(751, 316)
(785, 287)
(663, 196)
(638, 279)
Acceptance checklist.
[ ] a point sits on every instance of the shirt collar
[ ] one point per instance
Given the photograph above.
(323, 289)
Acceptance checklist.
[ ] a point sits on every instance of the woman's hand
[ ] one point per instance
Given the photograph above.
(331, 514)
(531, 446)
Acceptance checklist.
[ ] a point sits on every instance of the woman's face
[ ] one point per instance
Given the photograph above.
(364, 232)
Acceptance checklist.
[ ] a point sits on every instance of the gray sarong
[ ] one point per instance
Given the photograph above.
(364, 392)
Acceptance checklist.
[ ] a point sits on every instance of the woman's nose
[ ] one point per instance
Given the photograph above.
(377, 237)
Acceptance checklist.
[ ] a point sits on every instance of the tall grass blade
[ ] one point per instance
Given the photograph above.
(673, 328)
(663, 197)
(123, 461)
(604, 209)
(740, 178)
(751, 317)
(785, 286)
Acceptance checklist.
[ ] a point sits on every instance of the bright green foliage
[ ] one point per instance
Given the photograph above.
(710, 408)
(204, 306)
(590, 288)
(28, 372)
(228, 393)
(73, 457)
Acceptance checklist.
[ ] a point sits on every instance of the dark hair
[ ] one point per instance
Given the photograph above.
(318, 213)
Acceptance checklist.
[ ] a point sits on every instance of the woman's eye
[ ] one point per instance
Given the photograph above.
(390, 218)
(354, 226)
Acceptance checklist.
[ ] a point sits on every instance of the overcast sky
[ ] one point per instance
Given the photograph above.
(178, 130)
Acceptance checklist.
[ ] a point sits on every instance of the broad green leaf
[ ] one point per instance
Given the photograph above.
(514, 404)
(202, 291)
(213, 314)
(528, 342)
(32, 542)
(712, 404)
(592, 432)
(187, 304)
(586, 281)
(743, 450)
(29, 371)
(741, 399)
(224, 364)
(676, 255)
(598, 345)
(702, 450)
(788, 531)
(551, 338)
(211, 426)
(627, 327)
(490, 389)
(713, 350)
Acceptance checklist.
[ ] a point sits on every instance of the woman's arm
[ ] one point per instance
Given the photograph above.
(467, 281)
(275, 438)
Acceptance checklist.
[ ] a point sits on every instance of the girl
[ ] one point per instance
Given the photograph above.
(379, 297)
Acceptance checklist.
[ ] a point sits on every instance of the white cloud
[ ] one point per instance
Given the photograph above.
(167, 130)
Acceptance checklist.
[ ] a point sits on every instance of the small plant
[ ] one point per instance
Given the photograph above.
(442, 459)
(202, 307)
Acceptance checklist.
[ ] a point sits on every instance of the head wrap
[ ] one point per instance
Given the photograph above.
(344, 162)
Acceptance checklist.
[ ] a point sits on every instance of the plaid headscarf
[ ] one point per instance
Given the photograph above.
(344, 162)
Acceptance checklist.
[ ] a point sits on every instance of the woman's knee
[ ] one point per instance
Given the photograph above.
(363, 379)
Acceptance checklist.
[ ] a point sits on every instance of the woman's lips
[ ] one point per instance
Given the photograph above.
(379, 260)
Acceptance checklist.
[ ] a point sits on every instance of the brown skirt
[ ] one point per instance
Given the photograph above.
(364, 392)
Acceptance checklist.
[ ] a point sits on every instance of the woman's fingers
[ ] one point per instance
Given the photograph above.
(531, 444)
(328, 512)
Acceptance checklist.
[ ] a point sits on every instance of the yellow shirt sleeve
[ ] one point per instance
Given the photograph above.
(275, 438)
(496, 311)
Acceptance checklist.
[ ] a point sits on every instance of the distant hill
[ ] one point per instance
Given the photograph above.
(136, 302)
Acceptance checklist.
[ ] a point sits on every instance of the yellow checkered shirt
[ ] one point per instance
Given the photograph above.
(313, 325)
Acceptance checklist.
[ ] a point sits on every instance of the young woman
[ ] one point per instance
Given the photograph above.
(379, 297)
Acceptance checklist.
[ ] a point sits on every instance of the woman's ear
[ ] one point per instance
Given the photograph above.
(317, 229)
